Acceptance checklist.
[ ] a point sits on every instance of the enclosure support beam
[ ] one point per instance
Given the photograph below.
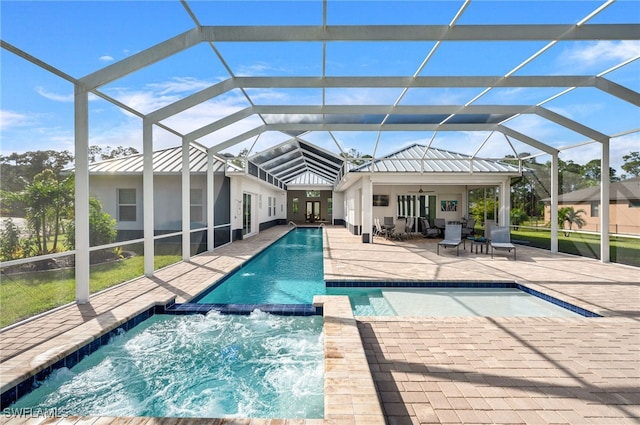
(211, 201)
(604, 204)
(554, 203)
(505, 203)
(367, 209)
(147, 196)
(186, 201)
(81, 123)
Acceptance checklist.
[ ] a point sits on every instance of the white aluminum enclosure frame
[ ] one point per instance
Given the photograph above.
(92, 83)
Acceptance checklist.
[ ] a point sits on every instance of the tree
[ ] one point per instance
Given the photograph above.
(241, 158)
(592, 173)
(570, 216)
(632, 164)
(17, 170)
(45, 199)
(98, 153)
(9, 241)
(102, 227)
(354, 156)
(518, 216)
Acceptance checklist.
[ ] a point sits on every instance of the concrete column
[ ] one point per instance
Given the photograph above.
(367, 210)
(554, 202)
(81, 123)
(604, 204)
(147, 199)
(505, 203)
(186, 201)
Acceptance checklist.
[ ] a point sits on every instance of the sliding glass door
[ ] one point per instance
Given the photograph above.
(246, 214)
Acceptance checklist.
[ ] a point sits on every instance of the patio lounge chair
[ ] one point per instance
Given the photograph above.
(452, 237)
(501, 239)
(427, 230)
(469, 229)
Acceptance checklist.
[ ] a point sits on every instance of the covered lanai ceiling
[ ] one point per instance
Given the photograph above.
(299, 85)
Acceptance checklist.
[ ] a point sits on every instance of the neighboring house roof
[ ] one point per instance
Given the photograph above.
(618, 191)
(166, 161)
(419, 158)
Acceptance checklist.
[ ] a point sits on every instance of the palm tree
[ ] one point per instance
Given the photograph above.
(571, 216)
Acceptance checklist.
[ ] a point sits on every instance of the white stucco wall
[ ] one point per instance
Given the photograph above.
(167, 199)
(260, 191)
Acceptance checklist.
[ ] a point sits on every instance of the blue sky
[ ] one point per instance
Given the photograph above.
(81, 37)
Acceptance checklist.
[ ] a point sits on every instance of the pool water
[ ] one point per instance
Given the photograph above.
(290, 271)
(449, 302)
(216, 365)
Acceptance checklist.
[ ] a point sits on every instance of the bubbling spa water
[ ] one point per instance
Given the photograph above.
(216, 365)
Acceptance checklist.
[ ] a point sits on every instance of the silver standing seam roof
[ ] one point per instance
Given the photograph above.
(166, 161)
(419, 158)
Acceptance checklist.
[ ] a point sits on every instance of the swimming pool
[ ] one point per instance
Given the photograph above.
(449, 302)
(289, 271)
(216, 365)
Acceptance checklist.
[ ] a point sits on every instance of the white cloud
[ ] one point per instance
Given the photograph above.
(584, 56)
(106, 58)
(179, 85)
(257, 69)
(9, 119)
(54, 96)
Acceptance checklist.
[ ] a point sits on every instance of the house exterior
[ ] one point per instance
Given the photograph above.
(420, 182)
(624, 206)
(243, 203)
(295, 182)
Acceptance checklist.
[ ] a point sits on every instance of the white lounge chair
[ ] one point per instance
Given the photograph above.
(501, 239)
(452, 237)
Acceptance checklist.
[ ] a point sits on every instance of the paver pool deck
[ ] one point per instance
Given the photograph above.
(425, 370)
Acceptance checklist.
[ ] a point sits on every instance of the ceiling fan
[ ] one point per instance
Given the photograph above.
(421, 191)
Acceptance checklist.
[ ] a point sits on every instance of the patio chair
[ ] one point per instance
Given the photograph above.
(379, 230)
(501, 239)
(469, 229)
(400, 231)
(427, 230)
(452, 237)
(409, 228)
(488, 225)
(439, 223)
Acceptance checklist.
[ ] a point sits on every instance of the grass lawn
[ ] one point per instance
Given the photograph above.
(621, 250)
(27, 294)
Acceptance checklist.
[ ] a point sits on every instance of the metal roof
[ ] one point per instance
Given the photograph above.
(298, 162)
(625, 190)
(166, 161)
(423, 159)
(309, 179)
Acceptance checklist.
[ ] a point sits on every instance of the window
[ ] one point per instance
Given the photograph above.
(269, 206)
(296, 205)
(126, 205)
(595, 209)
(196, 205)
(313, 193)
(330, 206)
(273, 205)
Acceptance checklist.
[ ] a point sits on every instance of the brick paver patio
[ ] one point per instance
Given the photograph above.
(426, 370)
